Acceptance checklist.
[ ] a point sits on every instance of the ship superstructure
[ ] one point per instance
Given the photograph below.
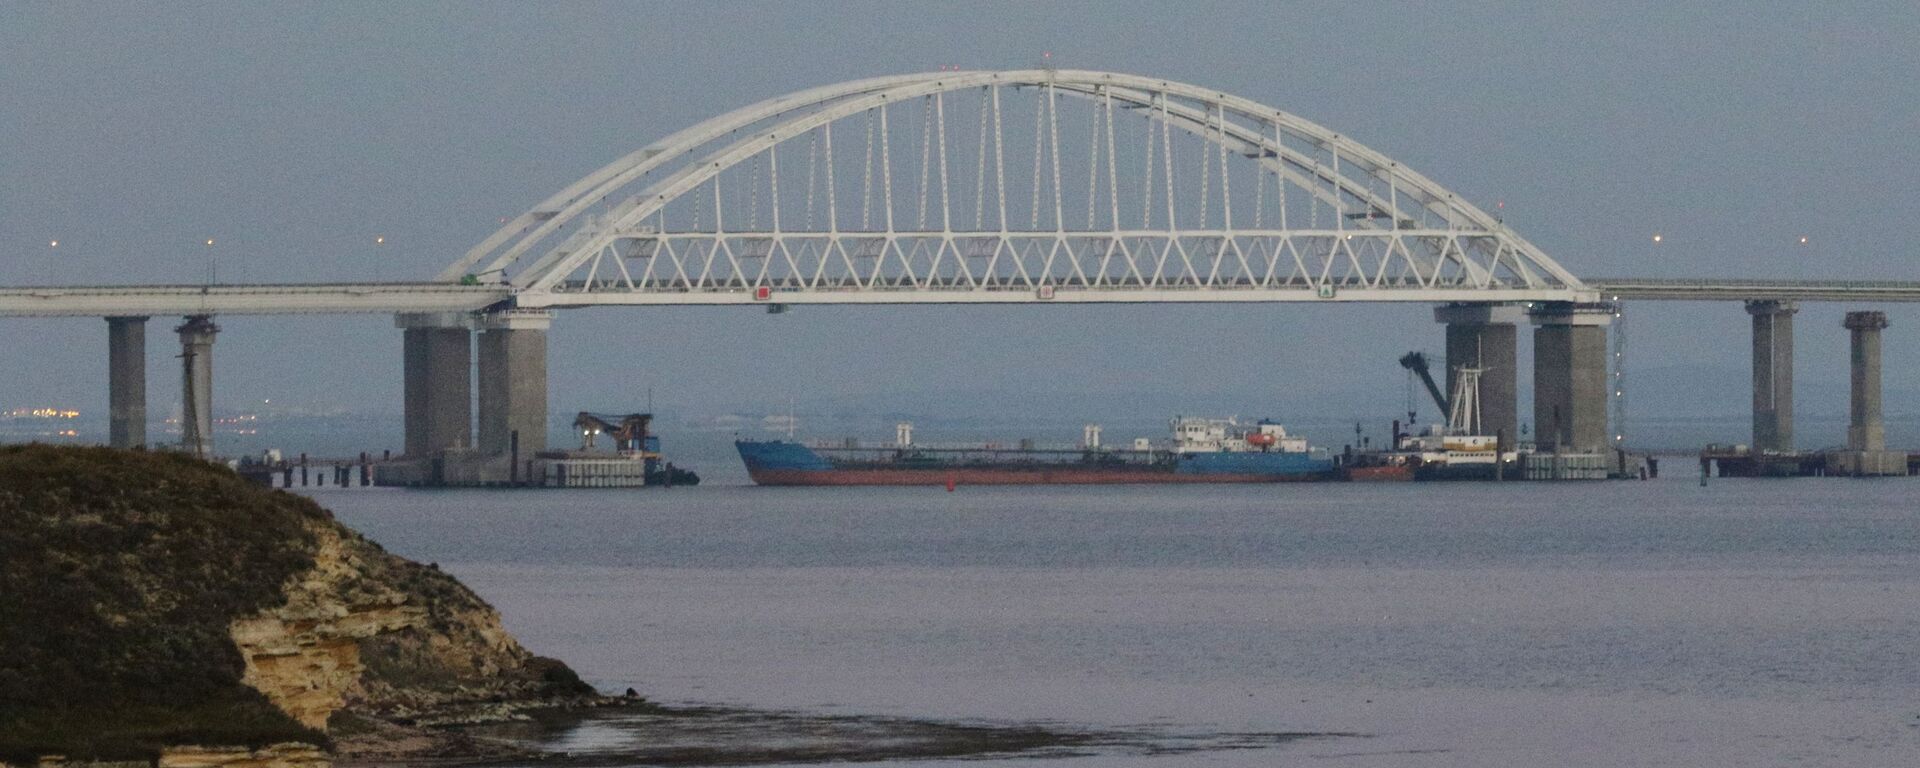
(1457, 450)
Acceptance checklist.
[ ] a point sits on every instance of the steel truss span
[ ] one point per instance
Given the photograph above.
(1035, 185)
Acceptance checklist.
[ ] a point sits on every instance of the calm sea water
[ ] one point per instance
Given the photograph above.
(1622, 624)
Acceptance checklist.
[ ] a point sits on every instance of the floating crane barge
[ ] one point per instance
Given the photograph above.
(634, 461)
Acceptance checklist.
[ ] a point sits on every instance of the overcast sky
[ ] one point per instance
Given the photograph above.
(293, 134)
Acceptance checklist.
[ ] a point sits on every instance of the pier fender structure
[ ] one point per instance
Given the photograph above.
(1570, 376)
(1485, 336)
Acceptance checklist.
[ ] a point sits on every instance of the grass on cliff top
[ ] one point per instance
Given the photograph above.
(120, 572)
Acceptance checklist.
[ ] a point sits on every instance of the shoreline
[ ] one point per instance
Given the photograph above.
(621, 732)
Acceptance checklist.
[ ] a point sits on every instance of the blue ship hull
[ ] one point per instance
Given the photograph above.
(786, 463)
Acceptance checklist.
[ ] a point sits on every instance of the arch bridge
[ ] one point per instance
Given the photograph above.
(1020, 186)
(1031, 186)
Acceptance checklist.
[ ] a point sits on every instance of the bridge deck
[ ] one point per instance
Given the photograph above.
(394, 298)
(311, 298)
(1689, 289)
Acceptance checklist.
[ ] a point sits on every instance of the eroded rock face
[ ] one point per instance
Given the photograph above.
(305, 655)
(458, 664)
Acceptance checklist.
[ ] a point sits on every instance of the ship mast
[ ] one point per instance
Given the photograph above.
(1464, 419)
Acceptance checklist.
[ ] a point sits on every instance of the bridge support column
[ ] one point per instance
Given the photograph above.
(1865, 430)
(1772, 374)
(196, 384)
(1570, 377)
(513, 382)
(127, 382)
(438, 370)
(1866, 452)
(1485, 336)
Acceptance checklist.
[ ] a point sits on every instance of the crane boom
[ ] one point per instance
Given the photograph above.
(1417, 363)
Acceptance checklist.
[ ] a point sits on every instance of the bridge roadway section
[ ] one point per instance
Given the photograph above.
(404, 298)
(439, 320)
(127, 308)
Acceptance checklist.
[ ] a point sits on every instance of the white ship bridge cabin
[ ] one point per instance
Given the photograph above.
(1202, 435)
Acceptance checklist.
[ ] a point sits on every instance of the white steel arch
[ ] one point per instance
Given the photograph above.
(1219, 198)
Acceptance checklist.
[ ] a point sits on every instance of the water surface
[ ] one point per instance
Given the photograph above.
(1660, 623)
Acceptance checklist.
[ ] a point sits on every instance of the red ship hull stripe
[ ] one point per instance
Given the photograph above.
(1006, 477)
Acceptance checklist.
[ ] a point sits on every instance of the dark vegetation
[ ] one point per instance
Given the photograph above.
(119, 575)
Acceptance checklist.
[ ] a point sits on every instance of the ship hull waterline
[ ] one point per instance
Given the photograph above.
(983, 476)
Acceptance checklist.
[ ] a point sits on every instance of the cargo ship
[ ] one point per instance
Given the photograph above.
(1202, 450)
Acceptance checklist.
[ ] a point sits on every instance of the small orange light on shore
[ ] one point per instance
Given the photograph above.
(53, 243)
(209, 241)
(1803, 240)
(1656, 238)
(380, 240)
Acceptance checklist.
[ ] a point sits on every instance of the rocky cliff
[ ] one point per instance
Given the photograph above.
(155, 605)
(305, 653)
(456, 663)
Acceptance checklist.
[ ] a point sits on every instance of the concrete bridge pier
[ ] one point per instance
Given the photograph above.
(1866, 430)
(1866, 453)
(1772, 374)
(127, 381)
(1570, 376)
(437, 367)
(1485, 336)
(513, 384)
(196, 384)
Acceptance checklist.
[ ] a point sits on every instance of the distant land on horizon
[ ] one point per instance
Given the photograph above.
(1670, 408)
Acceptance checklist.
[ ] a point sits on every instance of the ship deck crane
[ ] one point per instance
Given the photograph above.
(1416, 362)
(629, 430)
